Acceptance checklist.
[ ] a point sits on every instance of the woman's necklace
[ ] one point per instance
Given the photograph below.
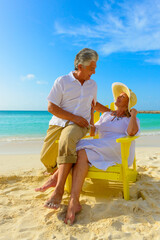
(116, 117)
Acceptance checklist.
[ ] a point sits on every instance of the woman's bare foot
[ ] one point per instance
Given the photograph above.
(73, 208)
(52, 181)
(54, 201)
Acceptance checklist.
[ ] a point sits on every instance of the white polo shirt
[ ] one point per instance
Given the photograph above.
(68, 94)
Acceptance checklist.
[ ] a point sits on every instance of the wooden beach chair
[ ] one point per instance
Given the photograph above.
(119, 173)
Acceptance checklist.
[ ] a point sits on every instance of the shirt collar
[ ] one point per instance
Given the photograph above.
(75, 79)
(72, 76)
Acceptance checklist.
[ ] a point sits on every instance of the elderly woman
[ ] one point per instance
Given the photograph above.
(105, 151)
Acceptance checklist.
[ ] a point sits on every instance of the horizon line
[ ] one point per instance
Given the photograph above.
(20, 110)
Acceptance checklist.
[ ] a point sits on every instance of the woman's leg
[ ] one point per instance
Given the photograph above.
(79, 173)
(51, 182)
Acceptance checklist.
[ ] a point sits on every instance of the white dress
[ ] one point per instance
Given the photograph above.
(105, 151)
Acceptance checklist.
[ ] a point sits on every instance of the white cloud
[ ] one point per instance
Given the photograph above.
(126, 26)
(153, 61)
(33, 77)
(27, 77)
(41, 82)
(84, 31)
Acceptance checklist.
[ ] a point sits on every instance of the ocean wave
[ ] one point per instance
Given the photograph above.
(21, 139)
(41, 138)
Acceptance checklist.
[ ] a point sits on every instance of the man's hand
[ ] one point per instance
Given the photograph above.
(133, 112)
(60, 113)
(82, 122)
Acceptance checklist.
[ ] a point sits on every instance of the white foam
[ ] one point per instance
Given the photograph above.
(150, 133)
(41, 138)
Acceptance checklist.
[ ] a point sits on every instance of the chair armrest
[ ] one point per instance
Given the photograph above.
(126, 139)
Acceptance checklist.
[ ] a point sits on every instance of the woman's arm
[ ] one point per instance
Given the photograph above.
(132, 126)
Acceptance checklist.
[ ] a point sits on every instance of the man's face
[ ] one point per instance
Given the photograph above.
(86, 72)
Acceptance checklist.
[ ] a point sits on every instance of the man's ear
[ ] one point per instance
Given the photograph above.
(80, 67)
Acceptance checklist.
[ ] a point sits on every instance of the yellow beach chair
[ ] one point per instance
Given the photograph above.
(120, 173)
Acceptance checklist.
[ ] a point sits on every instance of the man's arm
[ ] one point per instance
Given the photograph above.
(101, 108)
(60, 113)
(92, 129)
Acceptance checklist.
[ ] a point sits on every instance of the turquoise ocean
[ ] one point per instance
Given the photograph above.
(32, 125)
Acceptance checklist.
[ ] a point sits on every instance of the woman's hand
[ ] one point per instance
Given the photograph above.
(133, 112)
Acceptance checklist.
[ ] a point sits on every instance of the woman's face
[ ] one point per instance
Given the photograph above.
(122, 100)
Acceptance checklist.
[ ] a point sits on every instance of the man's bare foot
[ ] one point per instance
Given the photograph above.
(54, 201)
(52, 181)
(73, 208)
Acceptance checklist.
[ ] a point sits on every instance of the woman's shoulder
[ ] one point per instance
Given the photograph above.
(105, 115)
(103, 118)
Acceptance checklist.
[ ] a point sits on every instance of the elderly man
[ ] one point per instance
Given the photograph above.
(70, 103)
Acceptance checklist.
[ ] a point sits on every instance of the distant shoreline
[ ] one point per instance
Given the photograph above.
(141, 111)
(149, 112)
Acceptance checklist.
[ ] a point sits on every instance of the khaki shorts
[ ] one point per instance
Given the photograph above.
(64, 151)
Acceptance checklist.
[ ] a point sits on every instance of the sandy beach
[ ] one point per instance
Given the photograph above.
(105, 214)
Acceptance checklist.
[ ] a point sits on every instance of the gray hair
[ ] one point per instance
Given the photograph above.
(84, 57)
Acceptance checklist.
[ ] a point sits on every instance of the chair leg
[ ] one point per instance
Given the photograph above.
(126, 187)
(125, 154)
(68, 184)
(134, 163)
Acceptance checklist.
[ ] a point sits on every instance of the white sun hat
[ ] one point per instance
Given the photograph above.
(118, 88)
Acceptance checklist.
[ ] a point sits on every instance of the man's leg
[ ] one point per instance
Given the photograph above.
(49, 150)
(51, 182)
(80, 171)
(56, 197)
(70, 135)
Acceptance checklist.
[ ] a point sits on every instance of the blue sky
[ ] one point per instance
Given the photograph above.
(39, 40)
